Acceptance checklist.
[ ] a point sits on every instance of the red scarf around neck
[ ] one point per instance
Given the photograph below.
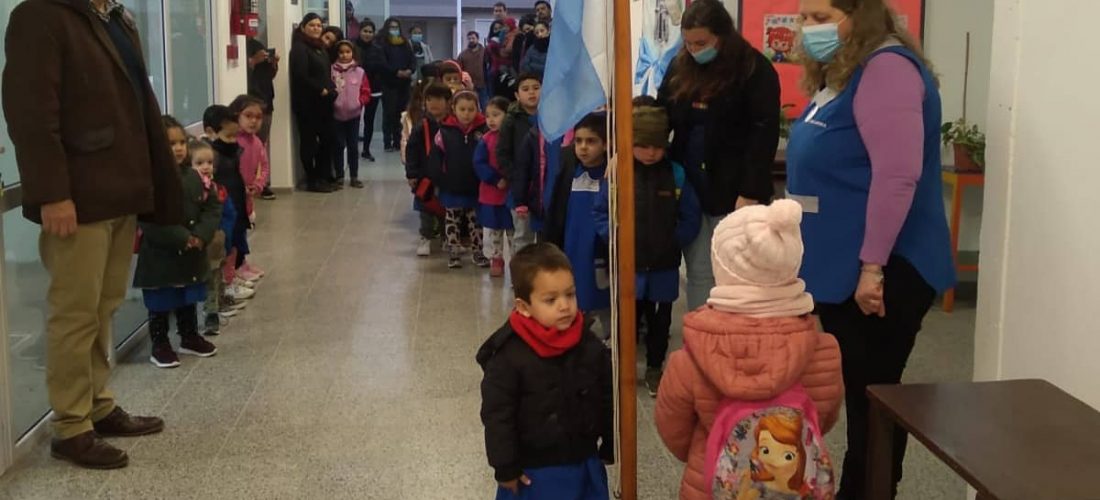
(547, 342)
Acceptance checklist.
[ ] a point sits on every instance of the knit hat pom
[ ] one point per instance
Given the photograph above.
(758, 245)
(784, 215)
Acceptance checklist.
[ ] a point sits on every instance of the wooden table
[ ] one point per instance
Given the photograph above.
(958, 180)
(1023, 439)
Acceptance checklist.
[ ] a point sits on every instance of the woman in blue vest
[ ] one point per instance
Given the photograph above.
(864, 161)
(722, 97)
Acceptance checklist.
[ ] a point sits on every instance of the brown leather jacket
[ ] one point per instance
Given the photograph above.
(78, 127)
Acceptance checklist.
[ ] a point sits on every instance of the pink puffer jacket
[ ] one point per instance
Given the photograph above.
(739, 357)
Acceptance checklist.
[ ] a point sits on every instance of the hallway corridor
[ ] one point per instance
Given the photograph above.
(352, 375)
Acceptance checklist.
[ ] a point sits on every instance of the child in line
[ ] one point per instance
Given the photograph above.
(222, 126)
(255, 167)
(171, 268)
(546, 395)
(522, 116)
(753, 360)
(570, 222)
(452, 171)
(492, 209)
(423, 121)
(353, 93)
(667, 216)
(450, 71)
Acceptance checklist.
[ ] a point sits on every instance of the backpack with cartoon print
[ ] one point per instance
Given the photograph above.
(769, 450)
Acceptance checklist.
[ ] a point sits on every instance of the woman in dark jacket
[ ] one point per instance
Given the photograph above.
(397, 82)
(312, 94)
(722, 97)
(330, 35)
(373, 61)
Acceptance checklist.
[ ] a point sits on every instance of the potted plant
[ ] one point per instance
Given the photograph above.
(968, 143)
(785, 121)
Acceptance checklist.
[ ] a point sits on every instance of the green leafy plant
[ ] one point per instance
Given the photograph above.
(965, 135)
(785, 121)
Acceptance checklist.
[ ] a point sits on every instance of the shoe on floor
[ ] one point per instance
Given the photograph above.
(267, 194)
(254, 270)
(163, 356)
(337, 185)
(653, 380)
(319, 188)
(213, 324)
(454, 263)
(357, 184)
(241, 282)
(496, 267)
(424, 247)
(240, 292)
(195, 345)
(90, 451)
(367, 156)
(231, 304)
(121, 424)
(481, 261)
(248, 276)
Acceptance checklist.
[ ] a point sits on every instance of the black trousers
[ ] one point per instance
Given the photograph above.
(346, 145)
(658, 320)
(394, 100)
(875, 351)
(316, 138)
(369, 114)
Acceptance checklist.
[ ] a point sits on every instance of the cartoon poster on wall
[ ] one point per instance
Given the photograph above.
(772, 26)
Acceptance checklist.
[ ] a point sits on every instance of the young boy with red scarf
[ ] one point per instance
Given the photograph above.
(546, 396)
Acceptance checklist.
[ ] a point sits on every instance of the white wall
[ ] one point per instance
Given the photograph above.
(1041, 279)
(281, 17)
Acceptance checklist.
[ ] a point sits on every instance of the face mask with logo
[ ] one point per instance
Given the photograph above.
(822, 41)
(706, 55)
(417, 37)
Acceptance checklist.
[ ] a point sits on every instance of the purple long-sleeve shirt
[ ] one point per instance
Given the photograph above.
(889, 111)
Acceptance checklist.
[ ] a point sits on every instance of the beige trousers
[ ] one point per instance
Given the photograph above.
(89, 274)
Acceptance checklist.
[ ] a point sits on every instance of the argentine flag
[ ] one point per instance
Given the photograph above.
(574, 81)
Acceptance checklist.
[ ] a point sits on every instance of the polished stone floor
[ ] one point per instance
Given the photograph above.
(351, 375)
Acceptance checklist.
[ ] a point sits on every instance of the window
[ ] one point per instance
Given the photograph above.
(191, 60)
(150, 24)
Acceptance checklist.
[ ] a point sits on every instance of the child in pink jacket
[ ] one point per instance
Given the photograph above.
(255, 167)
(753, 340)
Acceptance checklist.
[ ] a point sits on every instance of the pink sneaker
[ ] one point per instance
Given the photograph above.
(247, 275)
(254, 270)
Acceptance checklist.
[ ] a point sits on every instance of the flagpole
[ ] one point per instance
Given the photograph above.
(624, 144)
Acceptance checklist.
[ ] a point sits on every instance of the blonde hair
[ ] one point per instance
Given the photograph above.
(873, 24)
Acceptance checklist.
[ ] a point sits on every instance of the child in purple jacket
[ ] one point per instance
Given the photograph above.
(352, 95)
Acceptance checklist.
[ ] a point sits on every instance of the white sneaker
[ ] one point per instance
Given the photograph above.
(424, 248)
(243, 282)
(240, 292)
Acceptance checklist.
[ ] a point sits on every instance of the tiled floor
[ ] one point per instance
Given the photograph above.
(351, 375)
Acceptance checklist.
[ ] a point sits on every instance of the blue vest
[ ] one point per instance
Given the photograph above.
(827, 163)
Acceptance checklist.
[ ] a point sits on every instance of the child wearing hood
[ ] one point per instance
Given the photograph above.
(452, 170)
(753, 341)
(353, 93)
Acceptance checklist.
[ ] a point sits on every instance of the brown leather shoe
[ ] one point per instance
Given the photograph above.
(122, 424)
(90, 451)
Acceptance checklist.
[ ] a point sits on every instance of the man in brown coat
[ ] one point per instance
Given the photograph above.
(472, 61)
(92, 156)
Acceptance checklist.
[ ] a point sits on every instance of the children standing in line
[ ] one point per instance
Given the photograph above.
(546, 396)
(172, 267)
(222, 126)
(571, 223)
(452, 170)
(353, 93)
(667, 215)
(255, 167)
(492, 212)
(522, 116)
(423, 124)
(755, 374)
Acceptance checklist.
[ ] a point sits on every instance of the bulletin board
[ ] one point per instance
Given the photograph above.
(772, 27)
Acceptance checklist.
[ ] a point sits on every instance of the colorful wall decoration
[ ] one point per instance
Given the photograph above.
(772, 26)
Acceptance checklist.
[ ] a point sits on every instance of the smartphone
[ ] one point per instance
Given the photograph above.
(270, 52)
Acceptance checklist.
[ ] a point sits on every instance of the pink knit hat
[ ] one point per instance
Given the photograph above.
(756, 253)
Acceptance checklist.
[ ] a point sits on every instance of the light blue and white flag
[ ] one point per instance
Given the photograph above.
(573, 84)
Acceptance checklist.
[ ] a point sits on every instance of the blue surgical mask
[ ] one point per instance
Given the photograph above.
(706, 55)
(417, 37)
(395, 33)
(822, 41)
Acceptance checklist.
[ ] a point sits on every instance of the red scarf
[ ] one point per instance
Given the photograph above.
(547, 342)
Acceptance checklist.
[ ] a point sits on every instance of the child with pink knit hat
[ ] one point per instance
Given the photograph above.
(754, 345)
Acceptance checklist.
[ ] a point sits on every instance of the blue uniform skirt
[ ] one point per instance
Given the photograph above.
(172, 298)
(584, 481)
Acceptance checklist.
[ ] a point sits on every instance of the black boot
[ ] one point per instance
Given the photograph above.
(163, 356)
(190, 341)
